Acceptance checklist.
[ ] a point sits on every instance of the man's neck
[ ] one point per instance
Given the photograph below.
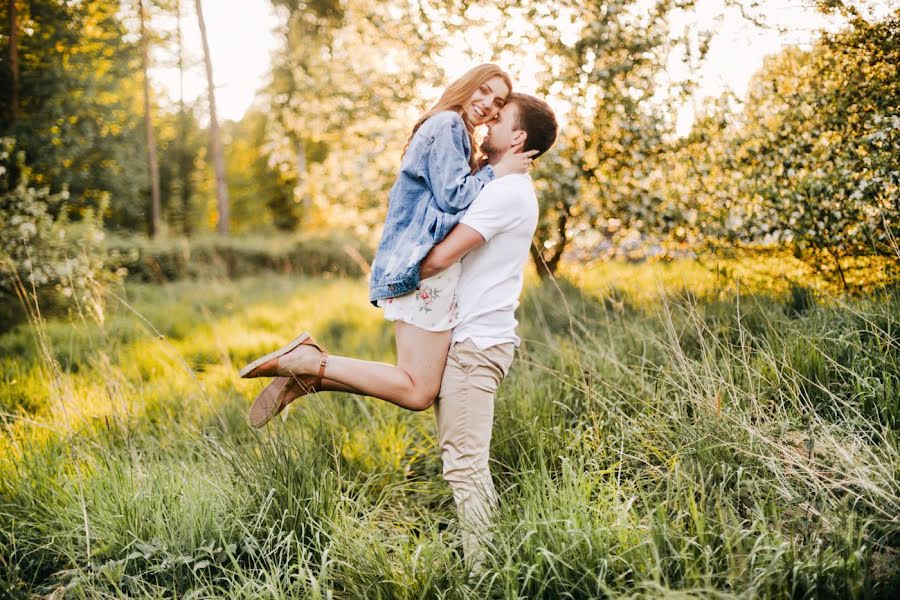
(493, 159)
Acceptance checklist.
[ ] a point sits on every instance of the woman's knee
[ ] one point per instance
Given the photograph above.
(422, 400)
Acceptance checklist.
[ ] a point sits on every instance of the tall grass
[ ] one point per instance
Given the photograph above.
(699, 441)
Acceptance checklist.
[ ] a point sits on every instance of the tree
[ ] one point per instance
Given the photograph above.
(214, 133)
(179, 134)
(13, 63)
(261, 194)
(819, 145)
(602, 176)
(181, 142)
(560, 198)
(152, 160)
(79, 105)
(185, 159)
(339, 117)
(807, 162)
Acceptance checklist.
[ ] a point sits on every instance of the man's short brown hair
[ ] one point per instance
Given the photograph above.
(536, 118)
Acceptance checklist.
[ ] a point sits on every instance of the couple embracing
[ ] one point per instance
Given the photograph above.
(448, 271)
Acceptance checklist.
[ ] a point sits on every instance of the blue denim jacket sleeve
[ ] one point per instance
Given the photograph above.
(452, 183)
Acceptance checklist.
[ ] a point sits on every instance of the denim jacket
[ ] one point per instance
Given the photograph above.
(434, 188)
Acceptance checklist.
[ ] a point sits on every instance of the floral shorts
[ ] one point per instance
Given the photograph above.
(432, 306)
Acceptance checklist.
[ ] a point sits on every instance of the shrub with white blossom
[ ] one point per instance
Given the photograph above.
(48, 263)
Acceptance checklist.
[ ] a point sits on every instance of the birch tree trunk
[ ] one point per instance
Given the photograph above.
(148, 125)
(185, 162)
(214, 134)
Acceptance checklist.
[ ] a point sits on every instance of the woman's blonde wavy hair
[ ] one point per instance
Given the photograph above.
(456, 95)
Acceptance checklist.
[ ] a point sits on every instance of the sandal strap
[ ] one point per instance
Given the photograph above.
(323, 362)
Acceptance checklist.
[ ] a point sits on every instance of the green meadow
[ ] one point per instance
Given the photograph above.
(667, 430)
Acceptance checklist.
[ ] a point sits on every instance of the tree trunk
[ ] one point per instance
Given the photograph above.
(540, 265)
(546, 267)
(215, 135)
(148, 125)
(185, 162)
(14, 62)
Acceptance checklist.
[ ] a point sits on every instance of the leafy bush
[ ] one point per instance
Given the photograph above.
(823, 167)
(213, 256)
(46, 261)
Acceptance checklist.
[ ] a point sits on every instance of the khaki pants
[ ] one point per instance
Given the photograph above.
(465, 415)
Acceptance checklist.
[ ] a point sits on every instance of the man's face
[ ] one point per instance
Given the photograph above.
(502, 135)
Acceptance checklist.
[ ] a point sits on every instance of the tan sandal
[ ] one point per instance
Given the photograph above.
(278, 394)
(252, 369)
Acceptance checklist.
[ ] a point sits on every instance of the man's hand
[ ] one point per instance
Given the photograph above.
(460, 241)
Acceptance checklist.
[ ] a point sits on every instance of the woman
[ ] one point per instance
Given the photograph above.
(439, 177)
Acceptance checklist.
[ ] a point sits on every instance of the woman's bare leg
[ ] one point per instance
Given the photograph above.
(413, 384)
(293, 392)
(330, 385)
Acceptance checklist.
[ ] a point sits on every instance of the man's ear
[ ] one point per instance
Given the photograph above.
(519, 137)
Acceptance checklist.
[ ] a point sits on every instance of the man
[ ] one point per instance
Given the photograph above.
(493, 239)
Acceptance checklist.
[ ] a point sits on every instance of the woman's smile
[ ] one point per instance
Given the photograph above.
(486, 101)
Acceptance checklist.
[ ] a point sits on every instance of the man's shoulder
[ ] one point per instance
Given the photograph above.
(511, 188)
(508, 198)
(516, 183)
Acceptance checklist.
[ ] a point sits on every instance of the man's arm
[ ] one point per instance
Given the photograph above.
(461, 240)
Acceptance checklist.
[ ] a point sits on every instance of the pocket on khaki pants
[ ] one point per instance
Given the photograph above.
(484, 369)
(502, 356)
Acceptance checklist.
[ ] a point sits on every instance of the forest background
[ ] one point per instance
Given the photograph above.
(706, 401)
(804, 164)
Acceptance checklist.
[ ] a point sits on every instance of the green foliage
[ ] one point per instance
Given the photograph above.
(808, 162)
(821, 146)
(80, 123)
(47, 263)
(261, 194)
(338, 117)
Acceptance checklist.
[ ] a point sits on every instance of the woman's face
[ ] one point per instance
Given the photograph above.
(487, 101)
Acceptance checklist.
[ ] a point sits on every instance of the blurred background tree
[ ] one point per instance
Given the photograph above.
(79, 111)
(820, 142)
(805, 163)
(345, 90)
(605, 61)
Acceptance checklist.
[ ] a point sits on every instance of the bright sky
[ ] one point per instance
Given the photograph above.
(241, 38)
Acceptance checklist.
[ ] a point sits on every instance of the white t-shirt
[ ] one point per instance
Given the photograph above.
(505, 213)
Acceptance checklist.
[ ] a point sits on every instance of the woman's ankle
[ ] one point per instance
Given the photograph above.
(302, 360)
